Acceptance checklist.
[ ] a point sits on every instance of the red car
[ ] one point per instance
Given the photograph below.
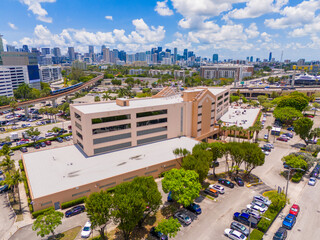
(25, 140)
(295, 209)
(282, 139)
(47, 143)
(309, 116)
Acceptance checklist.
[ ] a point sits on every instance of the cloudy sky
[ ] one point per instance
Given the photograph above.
(232, 28)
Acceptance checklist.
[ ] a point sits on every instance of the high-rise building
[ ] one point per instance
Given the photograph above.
(50, 74)
(215, 58)
(1, 43)
(91, 49)
(102, 47)
(45, 51)
(106, 55)
(270, 56)
(11, 77)
(56, 52)
(11, 48)
(175, 55)
(185, 54)
(301, 62)
(71, 53)
(154, 58)
(25, 48)
(122, 55)
(251, 59)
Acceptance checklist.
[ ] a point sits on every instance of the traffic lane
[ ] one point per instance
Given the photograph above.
(7, 216)
(217, 216)
(67, 223)
(308, 220)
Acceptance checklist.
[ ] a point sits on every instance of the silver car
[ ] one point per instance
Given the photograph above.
(240, 228)
(312, 181)
(183, 218)
(217, 188)
(262, 199)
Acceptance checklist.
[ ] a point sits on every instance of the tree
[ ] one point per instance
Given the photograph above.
(129, 206)
(295, 99)
(183, 184)
(244, 99)
(13, 104)
(267, 105)
(217, 149)
(5, 150)
(274, 95)
(7, 164)
(286, 114)
(262, 99)
(23, 91)
(234, 99)
(97, 99)
(129, 81)
(315, 105)
(253, 156)
(258, 127)
(12, 180)
(295, 161)
(237, 154)
(47, 223)
(200, 165)
(169, 227)
(116, 82)
(99, 209)
(106, 96)
(76, 74)
(180, 152)
(315, 133)
(269, 128)
(302, 127)
(33, 133)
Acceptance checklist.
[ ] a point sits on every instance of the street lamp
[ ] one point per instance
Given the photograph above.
(289, 171)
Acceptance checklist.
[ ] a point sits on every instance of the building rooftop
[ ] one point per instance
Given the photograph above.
(134, 103)
(59, 169)
(217, 91)
(241, 117)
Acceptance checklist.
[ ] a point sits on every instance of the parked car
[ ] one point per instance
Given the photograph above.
(265, 152)
(48, 143)
(311, 141)
(226, 182)
(86, 231)
(211, 192)
(285, 136)
(49, 134)
(262, 199)
(42, 144)
(270, 145)
(75, 210)
(245, 219)
(252, 213)
(59, 139)
(183, 218)
(170, 199)
(314, 173)
(266, 148)
(294, 210)
(290, 135)
(257, 208)
(24, 149)
(217, 187)
(195, 208)
(266, 136)
(67, 138)
(234, 234)
(239, 181)
(312, 181)
(158, 235)
(289, 221)
(215, 164)
(281, 234)
(4, 188)
(282, 139)
(36, 146)
(240, 228)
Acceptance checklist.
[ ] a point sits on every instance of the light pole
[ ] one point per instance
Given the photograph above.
(289, 171)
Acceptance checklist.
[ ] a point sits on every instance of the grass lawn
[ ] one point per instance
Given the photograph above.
(71, 234)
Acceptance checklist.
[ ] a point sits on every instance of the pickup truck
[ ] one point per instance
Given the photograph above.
(245, 219)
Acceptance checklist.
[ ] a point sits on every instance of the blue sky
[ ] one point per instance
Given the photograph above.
(232, 28)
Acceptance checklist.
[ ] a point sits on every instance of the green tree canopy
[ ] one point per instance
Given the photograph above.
(234, 98)
(169, 227)
(183, 184)
(47, 223)
(286, 114)
(98, 207)
(254, 157)
(295, 100)
(33, 133)
(23, 92)
(295, 161)
(302, 127)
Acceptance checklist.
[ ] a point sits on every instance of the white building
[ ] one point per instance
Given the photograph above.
(11, 77)
(50, 74)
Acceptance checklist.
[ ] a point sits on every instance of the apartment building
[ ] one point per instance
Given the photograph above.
(234, 71)
(50, 74)
(109, 126)
(11, 77)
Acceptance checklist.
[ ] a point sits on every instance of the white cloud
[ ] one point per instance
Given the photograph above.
(108, 18)
(14, 27)
(163, 9)
(252, 31)
(141, 36)
(257, 8)
(295, 16)
(35, 7)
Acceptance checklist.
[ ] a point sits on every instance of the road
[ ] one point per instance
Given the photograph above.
(7, 216)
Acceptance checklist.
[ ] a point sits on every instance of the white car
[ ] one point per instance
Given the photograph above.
(266, 152)
(266, 136)
(312, 181)
(270, 145)
(234, 234)
(262, 199)
(49, 134)
(217, 188)
(261, 209)
(86, 231)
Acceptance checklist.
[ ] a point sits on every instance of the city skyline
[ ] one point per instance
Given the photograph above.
(233, 29)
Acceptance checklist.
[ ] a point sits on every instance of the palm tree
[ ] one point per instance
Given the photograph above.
(269, 128)
(106, 96)
(220, 124)
(12, 180)
(7, 164)
(258, 127)
(240, 131)
(55, 111)
(224, 129)
(315, 133)
(13, 104)
(315, 105)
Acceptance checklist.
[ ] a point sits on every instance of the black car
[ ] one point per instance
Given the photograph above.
(158, 235)
(42, 144)
(24, 149)
(281, 234)
(75, 210)
(4, 188)
(239, 181)
(36, 146)
(195, 208)
(226, 182)
(314, 173)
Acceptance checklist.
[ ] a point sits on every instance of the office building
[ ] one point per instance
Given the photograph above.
(270, 56)
(50, 74)
(71, 53)
(11, 48)
(185, 54)
(15, 58)
(79, 65)
(102, 48)
(251, 59)
(237, 72)
(91, 50)
(56, 52)
(175, 55)
(45, 51)
(25, 48)
(106, 55)
(122, 56)
(301, 62)
(11, 77)
(215, 58)
(1, 44)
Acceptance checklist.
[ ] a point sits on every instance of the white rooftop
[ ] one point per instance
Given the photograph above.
(133, 103)
(216, 91)
(59, 169)
(241, 117)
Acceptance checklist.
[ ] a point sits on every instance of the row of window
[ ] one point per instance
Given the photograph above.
(111, 128)
(152, 122)
(77, 116)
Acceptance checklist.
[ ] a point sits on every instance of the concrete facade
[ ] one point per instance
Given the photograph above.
(217, 71)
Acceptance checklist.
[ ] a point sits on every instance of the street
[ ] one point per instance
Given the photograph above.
(7, 216)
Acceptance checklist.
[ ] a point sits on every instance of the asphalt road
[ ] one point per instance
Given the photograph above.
(7, 216)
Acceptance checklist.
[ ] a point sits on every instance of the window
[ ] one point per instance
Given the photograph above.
(225, 100)
(199, 114)
(77, 116)
(211, 125)
(151, 139)
(153, 130)
(110, 119)
(111, 138)
(127, 179)
(226, 94)
(199, 130)
(212, 103)
(152, 113)
(199, 122)
(78, 125)
(79, 135)
(200, 106)
(111, 129)
(220, 103)
(212, 110)
(46, 203)
(169, 166)
(112, 148)
(220, 97)
(107, 185)
(152, 122)
(80, 144)
(147, 173)
(80, 193)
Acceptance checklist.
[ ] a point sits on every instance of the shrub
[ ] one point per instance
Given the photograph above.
(297, 177)
(40, 212)
(256, 235)
(73, 203)
(21, 165)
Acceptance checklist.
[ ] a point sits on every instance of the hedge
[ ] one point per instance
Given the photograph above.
(21, 165)
(256, 235)
(43, 140)
(41, 212)
(264, 224)
(73, 203)
(297, 177)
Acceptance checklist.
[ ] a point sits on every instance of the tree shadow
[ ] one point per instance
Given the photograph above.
(169, 209)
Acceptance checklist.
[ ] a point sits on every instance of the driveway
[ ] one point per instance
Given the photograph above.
(7, 216)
